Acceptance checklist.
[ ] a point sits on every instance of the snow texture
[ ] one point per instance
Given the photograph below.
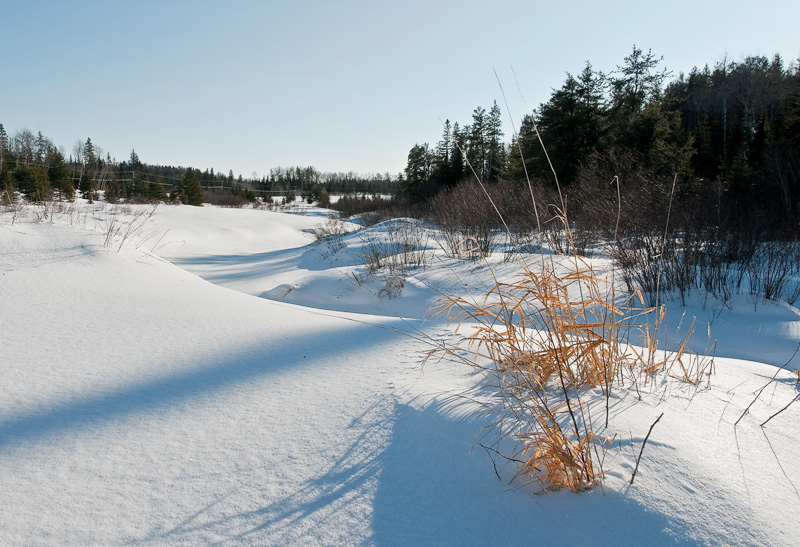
(233, 381)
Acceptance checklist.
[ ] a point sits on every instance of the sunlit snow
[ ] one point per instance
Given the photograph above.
(222, 377)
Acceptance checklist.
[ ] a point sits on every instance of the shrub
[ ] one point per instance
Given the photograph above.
(402, 246)
(331, 234)
(541, 341)
(225, 199)
(467, 221)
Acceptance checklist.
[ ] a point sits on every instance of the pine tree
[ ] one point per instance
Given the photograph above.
(416, 185)
(191, 193)
(476, 142)
(571, 127)
(88, 152)
(32, 182)
(58, 175)
(638, 81)
(444, 152)
(456, 171)
(525, 146)
(495, 151)
(41, 148)
(156, 193)
(113, 191)
(86, 185)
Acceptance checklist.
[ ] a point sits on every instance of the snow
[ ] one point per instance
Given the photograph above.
(221, 377)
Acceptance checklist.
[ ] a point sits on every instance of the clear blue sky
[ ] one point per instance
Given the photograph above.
(340, 85)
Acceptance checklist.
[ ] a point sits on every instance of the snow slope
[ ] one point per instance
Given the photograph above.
(177, 392)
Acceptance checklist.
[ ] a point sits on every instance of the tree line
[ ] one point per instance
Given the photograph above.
(33, 167)
(728, 137)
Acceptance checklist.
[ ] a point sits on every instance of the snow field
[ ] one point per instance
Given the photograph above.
(180, 394)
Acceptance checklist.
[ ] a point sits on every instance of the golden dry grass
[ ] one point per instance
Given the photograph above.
(543, 340)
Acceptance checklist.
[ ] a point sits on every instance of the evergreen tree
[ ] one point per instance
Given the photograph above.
(113, 191)
(23, 181)
(417, 184)
(190, 191)
(157, 193)
(88, 152)
(639, 120)
(495, 150)
(86, 185)
(456, 170)
(58, 175)
(41, 147)
(444, 152)
(525, 146)
(477, 145)
(32, 181)
(637, 82)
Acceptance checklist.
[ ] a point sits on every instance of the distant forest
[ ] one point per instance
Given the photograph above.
(723, 142)
(727, 136)
(32, 165)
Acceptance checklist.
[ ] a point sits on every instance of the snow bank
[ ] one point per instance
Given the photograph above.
(192, 401)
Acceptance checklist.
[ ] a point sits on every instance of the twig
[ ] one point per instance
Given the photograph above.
(664, 239)
(781, 410)
(758, 393)
(635, 469)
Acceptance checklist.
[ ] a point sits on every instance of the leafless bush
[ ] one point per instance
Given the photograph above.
(122, 223)
(56, 211)
(771, 267)
(793, 291)
(331, 234)
(615, 196)
(641, 260)
(374, 207)
(467, 221)
(681, 263)
(225, 199)
(402, 246)
(717, 270)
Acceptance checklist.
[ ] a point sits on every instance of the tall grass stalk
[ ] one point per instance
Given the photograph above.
(544, 339)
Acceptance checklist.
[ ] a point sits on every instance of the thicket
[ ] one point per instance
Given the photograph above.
(729, 135)
(717, 149)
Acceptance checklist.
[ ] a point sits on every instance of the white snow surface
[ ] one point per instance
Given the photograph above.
(221, 378)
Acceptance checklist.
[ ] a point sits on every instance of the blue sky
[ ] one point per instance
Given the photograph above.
(340, 85)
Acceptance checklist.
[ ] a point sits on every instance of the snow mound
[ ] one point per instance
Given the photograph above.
(239, 383)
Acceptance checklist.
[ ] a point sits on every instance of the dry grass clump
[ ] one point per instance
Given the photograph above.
(549, 339)
(544, 340)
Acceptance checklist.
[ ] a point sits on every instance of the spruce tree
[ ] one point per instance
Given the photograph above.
(456, 171)
(191, 193)
(476, 142)
(88, 152)
(444, 152)
(113, 191)
(495, 150)
(416, 185)
(58, 176)
(156, 193)
(571, 125)
(86, 185)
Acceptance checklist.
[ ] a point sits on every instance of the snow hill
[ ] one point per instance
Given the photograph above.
(192, 376)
